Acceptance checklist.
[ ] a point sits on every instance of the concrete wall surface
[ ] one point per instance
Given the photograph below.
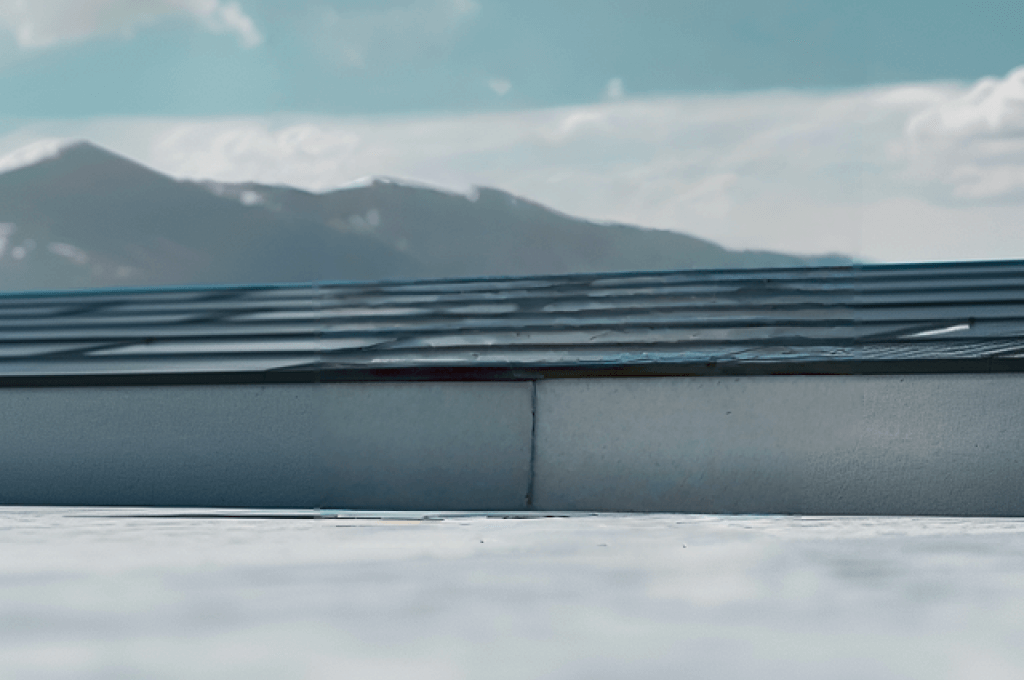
(379, 445)
(879, 445)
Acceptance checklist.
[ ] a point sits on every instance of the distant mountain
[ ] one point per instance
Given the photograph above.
(89, 218)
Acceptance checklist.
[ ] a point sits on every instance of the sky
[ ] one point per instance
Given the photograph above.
(889, 131)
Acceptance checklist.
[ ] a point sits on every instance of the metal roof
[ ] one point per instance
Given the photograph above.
(959, 317)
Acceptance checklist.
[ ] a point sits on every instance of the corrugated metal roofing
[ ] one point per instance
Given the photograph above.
(961, 317)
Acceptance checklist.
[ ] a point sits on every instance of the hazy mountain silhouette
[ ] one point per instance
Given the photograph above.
(88, 218)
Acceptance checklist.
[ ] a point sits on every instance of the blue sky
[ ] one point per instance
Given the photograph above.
(886, 130)
(345, 57)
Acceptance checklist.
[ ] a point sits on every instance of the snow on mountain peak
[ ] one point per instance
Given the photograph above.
(405, 183)
(35, 152)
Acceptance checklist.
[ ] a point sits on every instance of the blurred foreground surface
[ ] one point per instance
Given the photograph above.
(121, 593)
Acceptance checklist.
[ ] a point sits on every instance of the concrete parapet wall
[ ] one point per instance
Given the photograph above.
(877, 445)
(921, 444)
(380, 445)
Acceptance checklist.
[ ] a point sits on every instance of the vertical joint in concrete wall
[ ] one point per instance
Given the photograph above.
(533, 442)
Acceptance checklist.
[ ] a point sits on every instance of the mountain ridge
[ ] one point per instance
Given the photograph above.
(86, 217)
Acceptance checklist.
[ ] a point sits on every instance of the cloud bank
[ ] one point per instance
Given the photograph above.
(973, 143)
(355, 38)
(925, 171)
(39, 24)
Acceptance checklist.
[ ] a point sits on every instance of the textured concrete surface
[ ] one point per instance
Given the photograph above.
(882, 445)
(90, 593)
(394, 445)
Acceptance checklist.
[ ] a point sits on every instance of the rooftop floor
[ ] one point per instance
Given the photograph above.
(102, 593)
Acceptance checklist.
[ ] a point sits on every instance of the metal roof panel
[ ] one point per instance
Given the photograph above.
(949, 317)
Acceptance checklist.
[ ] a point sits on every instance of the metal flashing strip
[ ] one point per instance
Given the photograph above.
(883, 319)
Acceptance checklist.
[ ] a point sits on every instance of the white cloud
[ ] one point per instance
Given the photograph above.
(973, 142)
(32, 153)
(500, 86)
(871, 172)
(38, 24)
(710, 196)
(993, 106)
(614, 89)
(398, 30)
